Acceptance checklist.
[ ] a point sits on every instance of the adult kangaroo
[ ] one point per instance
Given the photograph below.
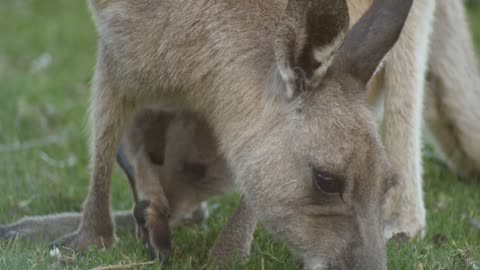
(282, 86)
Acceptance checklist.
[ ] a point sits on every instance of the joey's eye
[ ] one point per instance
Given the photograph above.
(326, 182)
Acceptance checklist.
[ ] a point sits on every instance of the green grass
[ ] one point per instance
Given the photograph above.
(47, 50)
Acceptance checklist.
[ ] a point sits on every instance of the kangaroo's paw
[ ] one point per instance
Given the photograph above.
(102, 236)
(404, 215)
(153, 229)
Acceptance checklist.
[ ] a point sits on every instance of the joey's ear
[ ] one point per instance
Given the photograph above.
(372, 38)
(307, 39)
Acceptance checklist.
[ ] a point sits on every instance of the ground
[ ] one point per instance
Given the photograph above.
(47, 54)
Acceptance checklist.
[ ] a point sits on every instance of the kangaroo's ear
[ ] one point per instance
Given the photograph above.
(372, 38)
(307, 39)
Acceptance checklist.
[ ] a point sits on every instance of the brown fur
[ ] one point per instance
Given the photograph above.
(192, 172)
(202, 56)
(176, 166)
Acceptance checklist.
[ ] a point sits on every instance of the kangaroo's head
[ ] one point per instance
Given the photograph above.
(318, 177)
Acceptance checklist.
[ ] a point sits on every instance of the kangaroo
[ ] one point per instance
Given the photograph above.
(283, 93)
(173, 165)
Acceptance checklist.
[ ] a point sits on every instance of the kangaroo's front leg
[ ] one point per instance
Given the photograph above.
(109, 112)
(152, 210)
(233, 243)
(404, 81)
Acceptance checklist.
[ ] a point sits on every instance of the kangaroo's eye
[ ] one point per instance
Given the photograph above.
(327, 183)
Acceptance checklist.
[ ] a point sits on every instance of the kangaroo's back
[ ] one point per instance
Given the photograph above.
(190, 39)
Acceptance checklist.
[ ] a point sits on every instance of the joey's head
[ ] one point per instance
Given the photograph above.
(319, 175)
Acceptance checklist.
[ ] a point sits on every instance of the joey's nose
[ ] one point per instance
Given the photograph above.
(161, 254)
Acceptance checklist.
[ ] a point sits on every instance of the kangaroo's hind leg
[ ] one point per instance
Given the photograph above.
(142, 157)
